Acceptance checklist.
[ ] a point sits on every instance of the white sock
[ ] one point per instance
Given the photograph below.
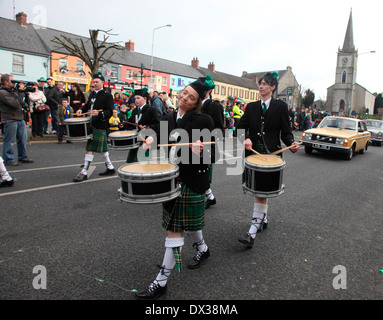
(209, 194)
(107, 161)
(197, 238)
(3, 171)
(88, 159)
(169, 261)
(259, 214)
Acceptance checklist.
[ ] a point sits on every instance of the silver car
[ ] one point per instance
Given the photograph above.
(376, 129)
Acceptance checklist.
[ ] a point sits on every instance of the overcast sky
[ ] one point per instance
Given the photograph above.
(239, 35)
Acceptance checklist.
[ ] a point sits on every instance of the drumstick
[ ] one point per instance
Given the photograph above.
(183, 144)
(133, 124)
(257, 153)
(87, 112)
(285, 149)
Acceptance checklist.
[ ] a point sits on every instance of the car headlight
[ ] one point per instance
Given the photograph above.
(380, 135)
(307, 136)
(340, 141)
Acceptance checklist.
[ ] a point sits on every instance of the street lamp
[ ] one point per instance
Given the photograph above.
(151, 63)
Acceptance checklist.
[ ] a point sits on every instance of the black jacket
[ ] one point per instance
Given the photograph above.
(215, 110)
(276, 124)
(103, 100)
(54, 98)
(195, 173)
(149, 118)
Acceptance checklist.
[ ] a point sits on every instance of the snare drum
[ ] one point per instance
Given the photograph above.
(123, 140)
(264, 176)
(148, 183)
(78, 128)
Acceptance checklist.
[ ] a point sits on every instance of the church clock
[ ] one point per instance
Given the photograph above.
(345, 60)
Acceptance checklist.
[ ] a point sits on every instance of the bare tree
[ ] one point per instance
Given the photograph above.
(95, 59)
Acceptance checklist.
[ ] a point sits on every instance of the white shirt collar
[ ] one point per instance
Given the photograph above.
(267, 102)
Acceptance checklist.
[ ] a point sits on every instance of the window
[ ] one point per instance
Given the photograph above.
(252, 95)
(344, 76)
(128, 74)
(173, 82)
(247, 95)
(63, 63)
(18, 63)
(79, 65)
(135, 75)
(164, 81)
(236, 92)
(223, 90)
(241, 93)
(114, 74)
(230, 91)
(216, 89)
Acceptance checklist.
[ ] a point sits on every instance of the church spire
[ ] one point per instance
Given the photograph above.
(348, 45)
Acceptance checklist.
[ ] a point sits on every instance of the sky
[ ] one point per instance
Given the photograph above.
(237, 36)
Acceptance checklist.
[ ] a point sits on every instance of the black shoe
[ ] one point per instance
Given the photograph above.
(107, 172)
(13, 164)
(247, 240)
(198, 259)
(68, 141)
(26, 160)
(5, 183)
(152, 292)
(80, 177)
(209, 203)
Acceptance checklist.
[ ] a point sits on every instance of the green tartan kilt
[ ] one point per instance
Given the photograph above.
(187, 214)
(99, 141)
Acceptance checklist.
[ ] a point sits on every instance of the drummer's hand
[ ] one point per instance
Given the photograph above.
(197, 147)
(148, 143)
(295, 148)
(79, 112)
(94, 113)
(248, 144)
(142, 127)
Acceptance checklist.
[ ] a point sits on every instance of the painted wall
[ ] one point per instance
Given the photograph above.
(33, 65)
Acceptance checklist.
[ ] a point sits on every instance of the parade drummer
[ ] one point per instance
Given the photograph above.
(143, 117)
(266, 122)
(186, 213)
(100, 106)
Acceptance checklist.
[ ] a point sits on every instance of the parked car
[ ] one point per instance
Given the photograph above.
(376, 129)
(338, 135)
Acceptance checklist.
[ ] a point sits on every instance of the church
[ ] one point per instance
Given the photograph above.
(346, 97)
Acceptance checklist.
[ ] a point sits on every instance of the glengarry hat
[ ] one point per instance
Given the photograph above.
(202, 85)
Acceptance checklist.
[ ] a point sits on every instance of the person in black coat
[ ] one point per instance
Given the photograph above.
(186, 213)
(144, 116)
(100, 106)
(265, 123)
(214, 109)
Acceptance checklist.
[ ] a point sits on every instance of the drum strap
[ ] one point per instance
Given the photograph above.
(262, 133)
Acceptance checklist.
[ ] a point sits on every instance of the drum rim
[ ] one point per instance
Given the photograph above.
(147, 175)
(76, 120)
(133, 134)
(282, 164)
(155, 198)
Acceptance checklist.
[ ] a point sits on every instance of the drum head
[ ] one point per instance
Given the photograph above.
(123, 133)
(147, 167)
(77, 120)
(265, 160)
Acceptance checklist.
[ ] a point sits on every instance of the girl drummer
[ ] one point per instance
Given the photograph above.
(186, 213)
(265, 123)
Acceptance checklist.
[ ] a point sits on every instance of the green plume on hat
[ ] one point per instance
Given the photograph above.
(209, 82)
(275, 74)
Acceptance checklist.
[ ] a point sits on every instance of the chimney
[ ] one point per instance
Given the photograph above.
(21, 18)
(244, 73)
(129, 45)
(211, 66)
(255, 79)
(195, 63)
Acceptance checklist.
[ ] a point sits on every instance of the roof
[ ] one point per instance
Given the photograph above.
(21, 38)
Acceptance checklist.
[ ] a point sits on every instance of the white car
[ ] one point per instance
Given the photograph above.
(376, 129)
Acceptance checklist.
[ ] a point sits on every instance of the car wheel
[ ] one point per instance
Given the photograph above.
(350, 153)
(361, 151)
(308, 149)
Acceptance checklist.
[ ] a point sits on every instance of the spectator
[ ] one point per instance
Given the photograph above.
(36, 98)
(47, 89)
(64, 112)
(117, 99)
(55, 97)
(123, 115)
(14, 126)
(87, 94)
(157, 103)
(114, 121)
(23, 98)
(77, 99)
